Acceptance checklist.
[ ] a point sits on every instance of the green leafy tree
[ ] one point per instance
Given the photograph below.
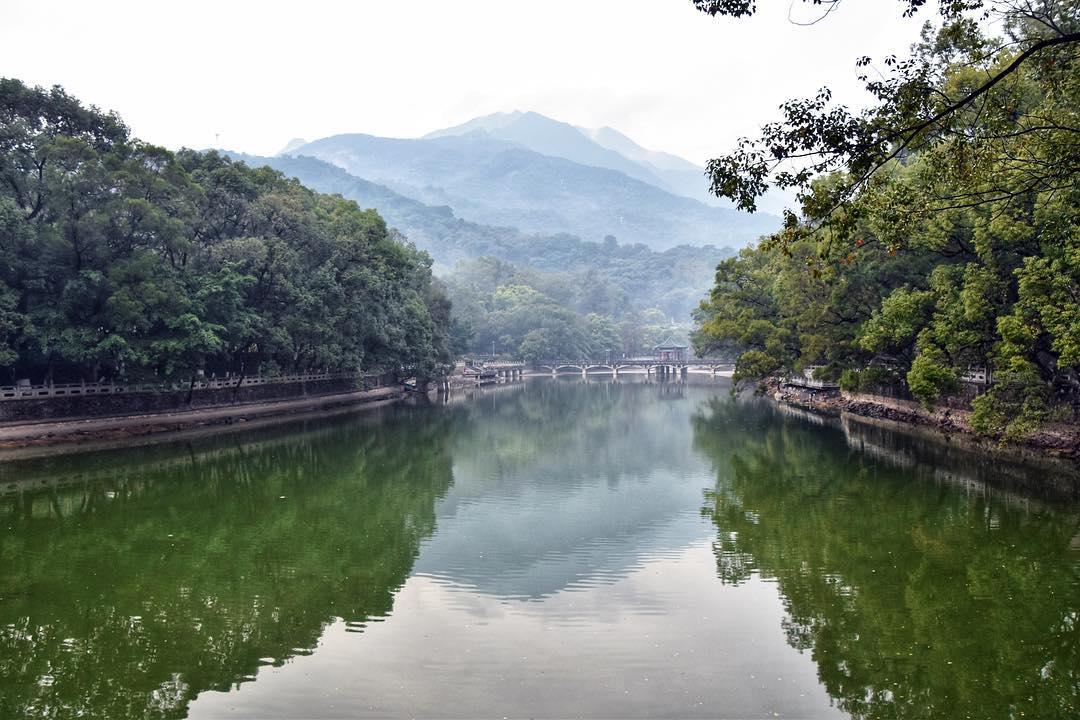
(123, 260)
(938, 227)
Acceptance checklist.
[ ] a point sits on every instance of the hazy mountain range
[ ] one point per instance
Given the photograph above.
(600, 147)
(539, 175)
(672, 280)
(435, 229)
(541, 194)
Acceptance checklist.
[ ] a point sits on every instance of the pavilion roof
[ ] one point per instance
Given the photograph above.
(669, 343)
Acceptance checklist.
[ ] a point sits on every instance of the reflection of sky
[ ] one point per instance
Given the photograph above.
(664, 639)
(570, 575)
(585, 513)
(549, 537)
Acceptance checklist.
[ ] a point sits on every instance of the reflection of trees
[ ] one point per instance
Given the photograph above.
(959, 461)
(181, 575)
(916, 600)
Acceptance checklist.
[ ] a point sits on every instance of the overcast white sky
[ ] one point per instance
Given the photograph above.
(259, 73)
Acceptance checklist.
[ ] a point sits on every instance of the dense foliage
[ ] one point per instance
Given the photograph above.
(550, 315)
(119, 259)
(964, 253)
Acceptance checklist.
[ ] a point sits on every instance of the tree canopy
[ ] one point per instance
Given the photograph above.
(919, 257)
(123, 260)
(544, 316)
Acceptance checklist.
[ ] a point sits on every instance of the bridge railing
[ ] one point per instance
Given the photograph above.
(633, 361)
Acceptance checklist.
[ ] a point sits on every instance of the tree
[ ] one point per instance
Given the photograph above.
(603, 337)
(973, 118)
(942, 236)
(123, 260)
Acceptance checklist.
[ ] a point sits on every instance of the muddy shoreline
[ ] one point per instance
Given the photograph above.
(1059, 442)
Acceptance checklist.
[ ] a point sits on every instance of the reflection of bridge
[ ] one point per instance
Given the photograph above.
(648, 366)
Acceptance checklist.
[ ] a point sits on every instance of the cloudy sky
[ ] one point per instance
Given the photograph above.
(251, 75)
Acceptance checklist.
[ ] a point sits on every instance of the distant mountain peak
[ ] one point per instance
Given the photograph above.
(292, 145)
(554, 138)
(486, 123)
(541, 176)
(612, 139)
(603, 147)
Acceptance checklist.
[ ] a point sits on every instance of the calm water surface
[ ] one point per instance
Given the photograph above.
(559, 548)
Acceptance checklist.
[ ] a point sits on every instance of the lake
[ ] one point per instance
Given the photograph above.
(548, 548)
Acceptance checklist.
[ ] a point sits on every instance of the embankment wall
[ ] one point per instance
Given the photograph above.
(138, 403)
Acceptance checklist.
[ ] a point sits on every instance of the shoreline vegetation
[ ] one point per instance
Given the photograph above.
(937, 241)
(1057, 446)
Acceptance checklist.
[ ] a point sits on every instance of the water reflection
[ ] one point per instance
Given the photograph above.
(558, 487)
(914, 600)
(541, 549)
(137, 581)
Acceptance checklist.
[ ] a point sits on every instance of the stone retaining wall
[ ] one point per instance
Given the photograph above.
(137, 403)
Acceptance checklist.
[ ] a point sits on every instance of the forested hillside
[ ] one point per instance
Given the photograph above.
(639, 294)
(947, 238)
(498, 182)
(122, 260)
(535, 315)
(671, 281)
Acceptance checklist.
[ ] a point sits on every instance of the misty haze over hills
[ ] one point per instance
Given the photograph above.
(551, 137)
(543, 195)
(671, 281)
(538, 175)
(601, 147)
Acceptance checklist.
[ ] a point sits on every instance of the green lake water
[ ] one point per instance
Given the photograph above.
(545, 549)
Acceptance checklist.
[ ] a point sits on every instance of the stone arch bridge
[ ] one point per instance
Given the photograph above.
(650, 366)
